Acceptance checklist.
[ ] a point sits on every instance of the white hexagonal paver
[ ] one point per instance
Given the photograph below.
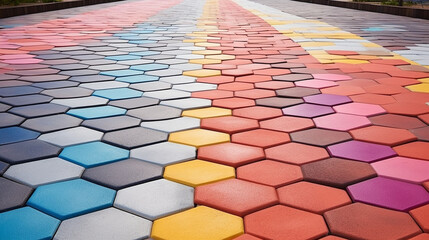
(164, 153)
(188, 103)
(81, 102)
(173, 125)
(44, 171)
(107, 224)
(155, 199)
(195, 87)
(72, 136)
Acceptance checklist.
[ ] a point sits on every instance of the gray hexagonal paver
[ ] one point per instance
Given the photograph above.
(106, 224)
(188, 103)
(155, 199)
(173, 125)
(167, 94)
(155, 113)
(195, 87)
(164, 153)
(71, 136)
(44, 171)
(81, 102)
(134, 137)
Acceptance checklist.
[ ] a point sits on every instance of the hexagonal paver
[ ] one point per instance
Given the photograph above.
(97, 112)
(198, 223)
(27, 151)
(134, 137)
(361, 151)
(202, 73)
(51, 123)
(407, 169)
(231, 154)
(43, 171)
(236, 196)
(389, 193)
(13, 194)
(118, 93)
(287, 124)
(71, 136)
(155, 199)
(8, 120)
(16, 134)
(229, 124)
(421, 215)
(197, 172)
(327, 99)
(281, 222)
(207, 112)
(112, 123)
(152, 113)
(164, 153)
(301, 195)
(70, 92)
(307, 110)
(71, 198)
(93, 154)
(122, 73)
(320, 137)
(131, 103)
(22, 223)
(368, 222)
(362, 109)
(296, 153)
(383, 135)
(167, 94)
(270, 173)
(341, 122)
(173, 125)
(337, 172)
(109, 223)
(81, 102)
(416, 149)
(261, 138)
(198, 137)
(39, 110)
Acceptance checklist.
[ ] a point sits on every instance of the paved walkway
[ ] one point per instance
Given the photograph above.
(215, 119)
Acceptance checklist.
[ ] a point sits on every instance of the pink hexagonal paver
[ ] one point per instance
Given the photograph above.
(342, 122)
(327, 99)
(362, 109)
(361, 151)
(389, 193)
(307, 110)
(407, 169)
(316, 83)
(331, 77)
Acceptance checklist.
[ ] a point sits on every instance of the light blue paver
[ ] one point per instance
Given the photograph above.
(118, 93)
(97, 112)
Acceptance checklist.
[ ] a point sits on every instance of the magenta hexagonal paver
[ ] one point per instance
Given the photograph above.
(407, 169)
(331, 77)
(307, 110)
(362, 109)
(327, 99)
(342, 122)
(389, 193)
(361, 151)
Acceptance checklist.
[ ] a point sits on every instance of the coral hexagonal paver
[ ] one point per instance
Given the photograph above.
(198, 172)
(260, 138)
(302, 194)
(229, 124)
(361, 151)
(402, 168)
(359, 220)
(231, 154)
(417, 149)
(287, 124)
(389, 193)
(198, 223)
(271, 173)
(421, 215)
(257, 112)
(383, 135)
(236, 196)
(296, 153)
(198, 137)
(281, 222)
(71, 198)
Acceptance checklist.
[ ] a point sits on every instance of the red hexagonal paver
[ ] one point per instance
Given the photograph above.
(383, 135)
(421, 215)
(287, 124)
(229, 124)
(236, 196)
(296, 153)
(231, 154)
(261, 138)
(257, 112)
(418, 150)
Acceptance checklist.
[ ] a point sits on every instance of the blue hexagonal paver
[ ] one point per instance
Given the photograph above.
(121, 73)
(71, 198)
(16, 134)
(118, 93)
(137, 79)
(149, 67)
(93, 154)
(97, 112)
(27, 223)
(122, 57)
(141, 41)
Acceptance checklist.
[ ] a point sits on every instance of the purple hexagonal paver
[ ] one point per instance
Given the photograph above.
(307, 110)
(327, 99)
(361, 151)
(389, 193)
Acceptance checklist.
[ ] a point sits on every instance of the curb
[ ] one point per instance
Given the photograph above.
(394, 10)
(22, 10)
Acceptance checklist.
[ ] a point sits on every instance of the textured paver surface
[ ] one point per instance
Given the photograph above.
(214, 119)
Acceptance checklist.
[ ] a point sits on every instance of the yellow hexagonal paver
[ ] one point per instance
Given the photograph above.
(198, 137)
(198, 172)
(424, 80)
(202, 73)
(207, 112)
(197, 224)
(205, 61)
(422, 87)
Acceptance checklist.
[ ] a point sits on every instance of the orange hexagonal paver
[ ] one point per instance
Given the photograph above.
(423, 236)
(412, 109)
(229, 124)
(235, 86)
(274, 85)
(417, 149)
(216, 79)
(296, 153)
(253, 78)
(383, 135)
(270, 173)
(236, 196)
(421, 215)
(261, 138)
(231, 154)
(233, 103)
(287, 124)
(255, 93)
(258, 112)
(363, 221)
(281, 222)
(302, 195)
